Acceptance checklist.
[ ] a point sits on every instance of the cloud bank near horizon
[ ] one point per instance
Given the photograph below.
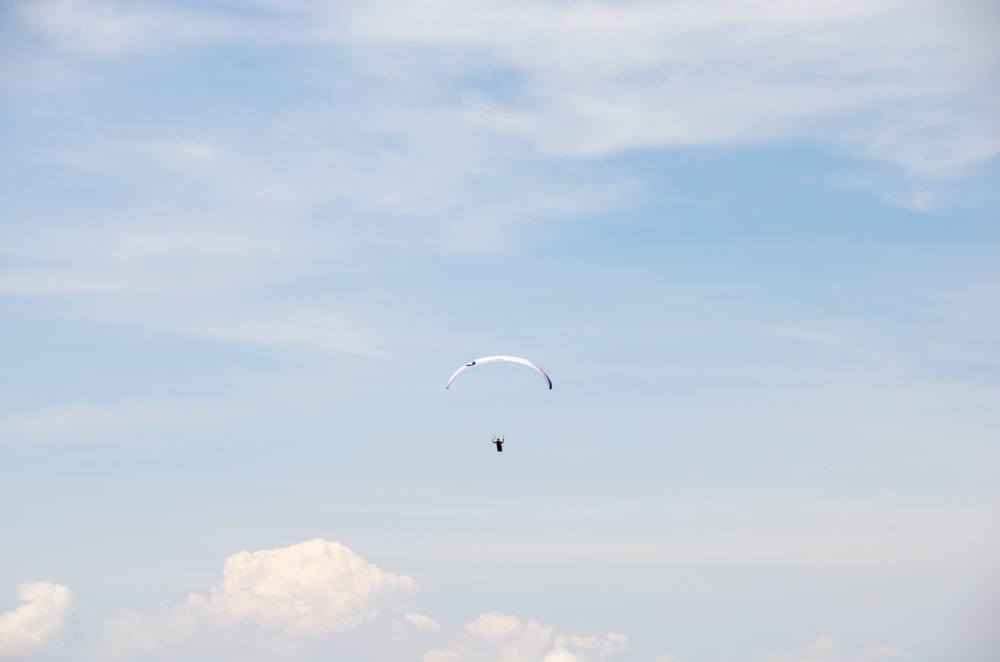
(37, 625)
(305, 600)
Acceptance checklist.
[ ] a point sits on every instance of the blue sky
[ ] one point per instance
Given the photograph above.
(244, 245)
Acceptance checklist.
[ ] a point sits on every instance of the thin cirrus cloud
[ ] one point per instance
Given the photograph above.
(149, 254)
(88, 420)
(903, 83)
(905, 87)
(112, 28)
(824, 649)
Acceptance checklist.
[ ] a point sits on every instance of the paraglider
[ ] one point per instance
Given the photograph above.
(499, 441)
(509, 359)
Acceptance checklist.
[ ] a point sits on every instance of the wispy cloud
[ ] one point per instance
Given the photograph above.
(824, 649)
(315, 329)
(109, 28)
(87, 420)
(884, 80)
(910, 85)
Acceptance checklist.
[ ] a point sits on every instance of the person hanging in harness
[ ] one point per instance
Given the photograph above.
(499, 442)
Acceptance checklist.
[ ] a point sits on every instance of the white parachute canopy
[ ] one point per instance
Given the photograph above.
(509, 359)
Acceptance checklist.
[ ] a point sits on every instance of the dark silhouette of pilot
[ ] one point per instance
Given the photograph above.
(499, 442)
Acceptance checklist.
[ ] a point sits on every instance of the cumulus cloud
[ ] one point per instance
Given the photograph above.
(496, 635)
(302, 602)
(422, 622)
(510, 639)
(283, 603)
(561, 655)
(311, 587)
(38, 623)
(495, 626)
(596, 648)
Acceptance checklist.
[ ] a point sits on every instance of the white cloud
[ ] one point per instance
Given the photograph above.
(888, 184)
(495, 626)
(86, 419)
(146, 253)
(322, 330)
(532, 642)
(886, 79)
(302, 601)
(422, 622)
(311, 587)
(611, 645)
(111, 28)
(561, 655)
(285, 603)
(825, 650)
(37, 624)
(464, 169)
(906, 84)
(506, 637)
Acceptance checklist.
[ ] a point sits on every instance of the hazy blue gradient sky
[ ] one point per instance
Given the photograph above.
(243, 245)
